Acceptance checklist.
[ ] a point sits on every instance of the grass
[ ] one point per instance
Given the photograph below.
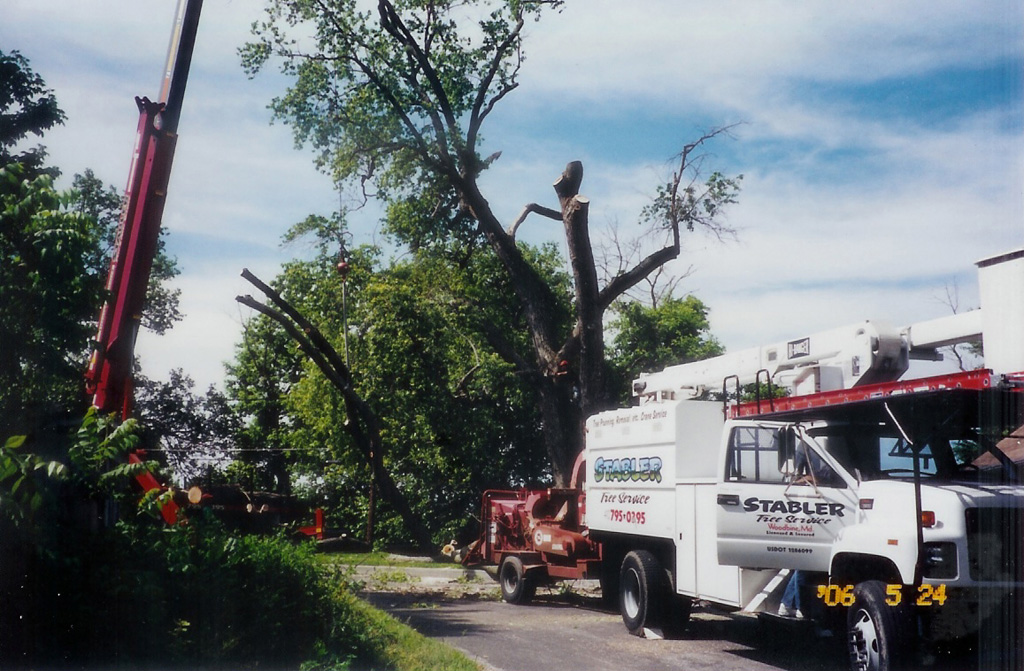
(389, 645)
(383, 577)
(381, 559)
(383, 642)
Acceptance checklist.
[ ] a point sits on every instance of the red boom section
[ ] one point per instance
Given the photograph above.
(974, 379)
(110, 369)
(109, 378)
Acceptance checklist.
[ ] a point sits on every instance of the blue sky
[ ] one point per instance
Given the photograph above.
(881, 145)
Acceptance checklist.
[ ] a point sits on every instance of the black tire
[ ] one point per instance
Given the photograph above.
(517, 587)
(641, 592)
(877, 634)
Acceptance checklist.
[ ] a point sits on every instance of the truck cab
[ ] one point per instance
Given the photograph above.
(783, 499)
(916, 493)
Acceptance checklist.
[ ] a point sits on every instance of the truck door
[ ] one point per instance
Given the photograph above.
(781, 503)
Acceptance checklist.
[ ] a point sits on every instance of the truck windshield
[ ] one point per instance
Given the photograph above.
(962, 435)
(879, 451)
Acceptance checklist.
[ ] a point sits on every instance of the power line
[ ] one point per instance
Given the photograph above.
(224, 450)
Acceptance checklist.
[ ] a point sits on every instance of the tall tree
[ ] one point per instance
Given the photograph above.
(193, 432)
(395, 100)
(48, 295)
(266, 367)
(454, 418)
(27, 107)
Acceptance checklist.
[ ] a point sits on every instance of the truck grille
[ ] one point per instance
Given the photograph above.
(994, 544)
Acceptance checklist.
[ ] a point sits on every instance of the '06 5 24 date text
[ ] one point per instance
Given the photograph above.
(922, 595)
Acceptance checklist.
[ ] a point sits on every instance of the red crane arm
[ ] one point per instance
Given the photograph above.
(109, 378)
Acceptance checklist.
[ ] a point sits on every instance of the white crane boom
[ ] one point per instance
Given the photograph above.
(870, 352)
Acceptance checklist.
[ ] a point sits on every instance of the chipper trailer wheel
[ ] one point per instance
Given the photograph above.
(516, 585)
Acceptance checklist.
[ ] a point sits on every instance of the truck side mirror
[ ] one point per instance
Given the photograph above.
(787, 448)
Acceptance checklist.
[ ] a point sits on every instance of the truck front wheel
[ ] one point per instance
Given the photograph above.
(516, 586)
(640, 591)
(877, 633)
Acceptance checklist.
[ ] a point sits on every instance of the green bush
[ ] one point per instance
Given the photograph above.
(79, 591)
(191, 596)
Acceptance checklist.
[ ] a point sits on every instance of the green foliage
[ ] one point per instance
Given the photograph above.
(96, 469)
(99, 467)
(101, 441)
(27, 107)
(192, 431)
(266, 366)
(697, 205)
(370, 76)
(190, 596)
(55, 251)
(392, 645)
(759, 391)
(20, 479)
(186, 597)
(48, 295)
(648, 339)
(456, 417)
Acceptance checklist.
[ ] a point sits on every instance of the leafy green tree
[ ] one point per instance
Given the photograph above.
(647, 339)
(395, 102)
(20, 480)
(456, 418)
(27, 107)
(266, 366)
(48, 297)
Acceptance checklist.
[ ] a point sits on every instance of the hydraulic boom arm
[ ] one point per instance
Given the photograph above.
(109, 378)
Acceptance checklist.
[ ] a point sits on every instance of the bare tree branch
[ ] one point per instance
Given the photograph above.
(677, 211)
(480, 111)
(532, 208)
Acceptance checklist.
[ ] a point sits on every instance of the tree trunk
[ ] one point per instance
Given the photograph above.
(569, 368)
(562, 424)
(589, 313)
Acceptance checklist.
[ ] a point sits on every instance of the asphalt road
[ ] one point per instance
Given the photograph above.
(559, 632)
(571, 631)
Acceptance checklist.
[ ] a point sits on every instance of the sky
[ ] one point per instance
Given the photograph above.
(881, 145)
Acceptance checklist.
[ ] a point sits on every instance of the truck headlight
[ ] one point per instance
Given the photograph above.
(939, 560)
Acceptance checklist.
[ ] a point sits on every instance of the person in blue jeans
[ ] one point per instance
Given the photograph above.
(790, 606)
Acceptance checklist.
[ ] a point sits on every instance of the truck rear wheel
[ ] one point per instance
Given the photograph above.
(877, 633)
(516, 586)
(640, 591)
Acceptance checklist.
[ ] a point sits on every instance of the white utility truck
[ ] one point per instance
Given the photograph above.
(895, 508)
